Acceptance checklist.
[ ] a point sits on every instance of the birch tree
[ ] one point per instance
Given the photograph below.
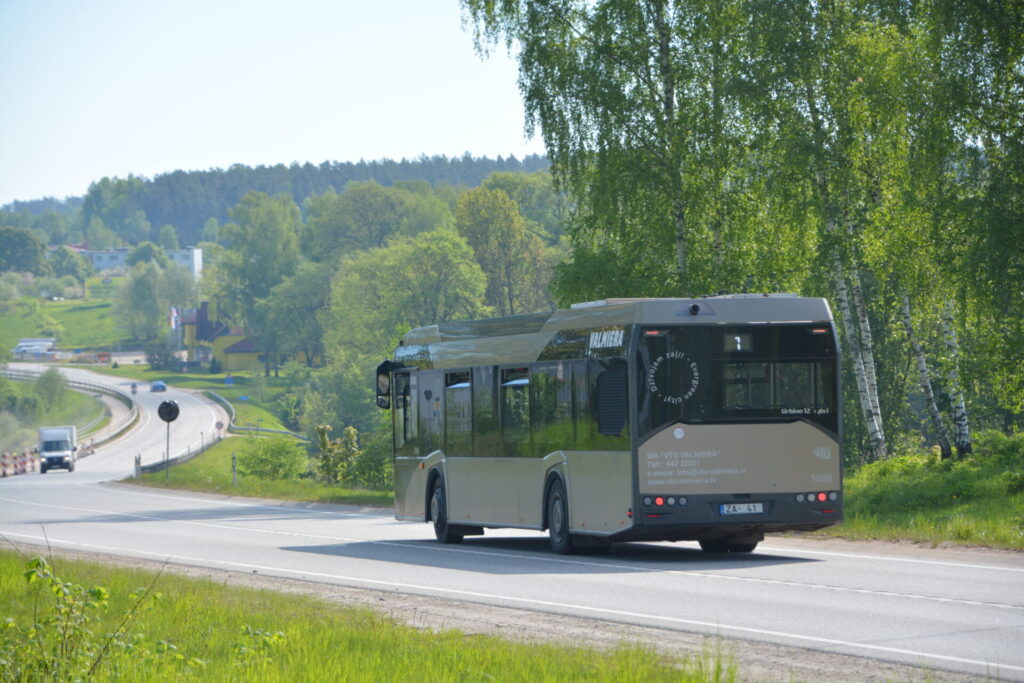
(636, 103)
(924, 379)
(808, 62)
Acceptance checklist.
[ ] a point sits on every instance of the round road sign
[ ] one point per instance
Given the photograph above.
(168, 411)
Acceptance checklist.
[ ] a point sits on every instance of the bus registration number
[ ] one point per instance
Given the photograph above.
(741, 509)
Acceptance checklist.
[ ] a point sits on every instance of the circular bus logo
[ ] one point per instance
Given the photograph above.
(673, 377)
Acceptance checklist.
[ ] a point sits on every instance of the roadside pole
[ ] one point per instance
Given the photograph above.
(168, 412)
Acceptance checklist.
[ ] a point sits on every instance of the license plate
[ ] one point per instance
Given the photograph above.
(741, 509)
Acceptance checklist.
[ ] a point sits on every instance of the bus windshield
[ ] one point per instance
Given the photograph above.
(749, 373)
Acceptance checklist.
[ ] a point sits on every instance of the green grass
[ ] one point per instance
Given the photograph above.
(224, 633)
(86, 324)
(975, 501)
(211, 472)
(76, 324)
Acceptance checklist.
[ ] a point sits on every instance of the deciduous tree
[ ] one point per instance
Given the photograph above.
(22, 251)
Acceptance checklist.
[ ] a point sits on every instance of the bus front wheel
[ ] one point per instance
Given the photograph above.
(558, 520)
(445, 532)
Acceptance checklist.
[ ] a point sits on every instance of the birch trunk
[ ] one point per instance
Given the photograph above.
(668, 107)
(924, 377)
(961, 425)
(868, 353)
(872, 419)
(875, 436)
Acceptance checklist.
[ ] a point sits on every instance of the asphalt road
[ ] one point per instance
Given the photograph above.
(953, 610)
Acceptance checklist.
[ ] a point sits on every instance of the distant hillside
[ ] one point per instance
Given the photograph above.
(187, 199)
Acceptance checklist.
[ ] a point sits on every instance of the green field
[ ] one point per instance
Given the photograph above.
(76, 324)
(206, 630)
(211, 472)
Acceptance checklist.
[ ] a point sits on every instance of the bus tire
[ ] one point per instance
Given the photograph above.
(742, 547)
(558, 520)
(445, 532)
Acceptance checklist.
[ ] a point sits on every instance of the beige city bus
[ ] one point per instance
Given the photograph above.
(714, 419)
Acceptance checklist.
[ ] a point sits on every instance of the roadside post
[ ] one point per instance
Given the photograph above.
(168, 412)
(234, 470)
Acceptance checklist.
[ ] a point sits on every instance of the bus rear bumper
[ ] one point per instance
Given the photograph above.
(734, 516)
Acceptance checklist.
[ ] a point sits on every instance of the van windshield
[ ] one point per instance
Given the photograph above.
(57, 445)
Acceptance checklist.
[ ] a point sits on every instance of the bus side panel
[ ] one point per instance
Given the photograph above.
(410, 489)
(470, 490)
(518, 491)
(600, 490)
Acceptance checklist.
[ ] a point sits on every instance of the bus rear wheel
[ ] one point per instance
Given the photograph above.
(558, 520)
(445, 532)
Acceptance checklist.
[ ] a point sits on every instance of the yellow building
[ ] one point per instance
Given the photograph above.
(205, 341)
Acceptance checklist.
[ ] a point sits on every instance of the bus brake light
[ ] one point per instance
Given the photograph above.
(822, 497)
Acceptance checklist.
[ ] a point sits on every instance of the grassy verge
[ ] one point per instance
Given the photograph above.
(210, 631)
(211, 472)
(975, 501)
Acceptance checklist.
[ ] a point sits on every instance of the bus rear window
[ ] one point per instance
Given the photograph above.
(693, 373)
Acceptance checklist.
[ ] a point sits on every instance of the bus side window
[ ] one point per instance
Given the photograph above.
(458, 416)
(581, 404)
(515, 411)
(551, 400)
(486, 437)
(611, 400)
(431, 410)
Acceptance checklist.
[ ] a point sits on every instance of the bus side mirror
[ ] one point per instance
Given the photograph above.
(384, 384)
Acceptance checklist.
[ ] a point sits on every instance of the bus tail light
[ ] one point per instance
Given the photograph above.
(817, 497)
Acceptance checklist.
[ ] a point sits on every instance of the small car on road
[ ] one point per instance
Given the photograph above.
(157, 385)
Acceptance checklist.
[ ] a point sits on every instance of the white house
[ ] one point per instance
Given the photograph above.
(190, 258)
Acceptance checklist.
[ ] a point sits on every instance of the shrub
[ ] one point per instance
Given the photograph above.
(65, 640)
(335, 457)
(274, 457)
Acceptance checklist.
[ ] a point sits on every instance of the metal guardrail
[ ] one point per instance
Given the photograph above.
(176, 460)
(96, 437)
(239, 428)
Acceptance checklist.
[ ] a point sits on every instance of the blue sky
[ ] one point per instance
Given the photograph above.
(94, 88)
